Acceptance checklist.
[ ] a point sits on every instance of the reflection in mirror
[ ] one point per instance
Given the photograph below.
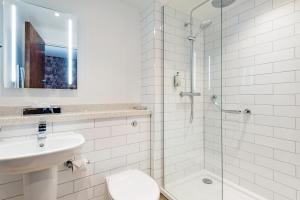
(39, 47)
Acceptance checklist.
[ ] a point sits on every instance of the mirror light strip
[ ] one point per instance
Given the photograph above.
(13, 42)
(70, 52)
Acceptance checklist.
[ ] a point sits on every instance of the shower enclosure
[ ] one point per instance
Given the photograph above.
(231, 99)
(192, 125)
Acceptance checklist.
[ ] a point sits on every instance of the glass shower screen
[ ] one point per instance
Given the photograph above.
(192, 100)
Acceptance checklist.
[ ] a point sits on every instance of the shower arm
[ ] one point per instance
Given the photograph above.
(191, 15)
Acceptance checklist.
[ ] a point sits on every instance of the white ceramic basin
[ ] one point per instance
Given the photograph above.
(25, 156)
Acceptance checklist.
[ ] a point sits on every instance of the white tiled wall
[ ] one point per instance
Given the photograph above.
(152, 81)
(111, 145)
(183, 139)
(261, 72)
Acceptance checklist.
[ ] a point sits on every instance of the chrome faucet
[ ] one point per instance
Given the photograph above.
(42, 131)
(50, 108)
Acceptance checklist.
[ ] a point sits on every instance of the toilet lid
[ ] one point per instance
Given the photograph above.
(132, 185)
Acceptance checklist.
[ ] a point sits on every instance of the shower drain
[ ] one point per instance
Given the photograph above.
(207, 181)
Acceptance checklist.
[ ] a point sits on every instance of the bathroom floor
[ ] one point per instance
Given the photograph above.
(162, 197)
(193, 188)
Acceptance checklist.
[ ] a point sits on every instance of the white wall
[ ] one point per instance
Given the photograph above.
(109, 56)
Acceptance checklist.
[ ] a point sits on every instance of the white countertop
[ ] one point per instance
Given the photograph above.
(71, 116)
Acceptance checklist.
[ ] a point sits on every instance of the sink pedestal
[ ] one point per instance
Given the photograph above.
(26, 156)
(40, 185)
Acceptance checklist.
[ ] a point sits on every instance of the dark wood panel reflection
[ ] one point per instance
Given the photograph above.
(34, 58)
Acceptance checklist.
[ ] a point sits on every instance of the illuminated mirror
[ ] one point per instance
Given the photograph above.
(39, 47)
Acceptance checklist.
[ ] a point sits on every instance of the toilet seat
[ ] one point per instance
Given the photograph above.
(132, 185)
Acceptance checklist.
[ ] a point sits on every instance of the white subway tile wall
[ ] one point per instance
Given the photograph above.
(183, 140)
(152, 81)
(112, 145)
(260, 69)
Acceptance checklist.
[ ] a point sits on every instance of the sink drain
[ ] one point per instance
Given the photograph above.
(207, 181)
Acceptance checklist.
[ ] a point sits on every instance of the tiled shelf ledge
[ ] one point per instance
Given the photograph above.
(72, 116)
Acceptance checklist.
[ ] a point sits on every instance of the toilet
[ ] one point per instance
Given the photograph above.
(132, 185)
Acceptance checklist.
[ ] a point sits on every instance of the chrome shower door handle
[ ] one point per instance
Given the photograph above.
(233, 111)
(246, 111)
(190, 94)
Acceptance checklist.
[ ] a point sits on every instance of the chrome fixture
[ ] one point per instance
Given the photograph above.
(190, 94)
(207, 181)
(72, 164)
(246, 111)
(42, 111)
(222, 3)
(232, 111)
(205, 24)
(69, 164)
(42, 133)
(192, 38)
(214, 99)
(134, 123)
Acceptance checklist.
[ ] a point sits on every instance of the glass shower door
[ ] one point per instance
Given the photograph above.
(192, 100)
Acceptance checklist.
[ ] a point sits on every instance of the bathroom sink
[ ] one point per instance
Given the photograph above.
(30, 155)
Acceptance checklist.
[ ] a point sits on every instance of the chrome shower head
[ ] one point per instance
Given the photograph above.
(222, 3)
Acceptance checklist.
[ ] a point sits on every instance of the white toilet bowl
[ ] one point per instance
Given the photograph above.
(132, 185)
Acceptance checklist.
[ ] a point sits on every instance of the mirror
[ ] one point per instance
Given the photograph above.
(39, 47)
